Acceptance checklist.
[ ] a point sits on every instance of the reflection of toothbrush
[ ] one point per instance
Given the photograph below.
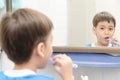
(113, 41)
(75, 66)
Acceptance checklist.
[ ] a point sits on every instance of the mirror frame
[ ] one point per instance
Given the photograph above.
(86, 49)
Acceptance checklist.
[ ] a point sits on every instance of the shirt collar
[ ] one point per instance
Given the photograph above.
(19, 73)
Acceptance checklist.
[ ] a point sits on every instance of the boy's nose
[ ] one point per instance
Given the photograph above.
(106, 31)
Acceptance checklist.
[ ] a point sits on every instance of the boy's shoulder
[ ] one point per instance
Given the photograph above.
(89, 45)
(2, 76)
(43, 77)
(30, 77)
(37, 77)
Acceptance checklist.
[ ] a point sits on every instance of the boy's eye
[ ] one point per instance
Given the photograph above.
(110, 28)
(101, 28)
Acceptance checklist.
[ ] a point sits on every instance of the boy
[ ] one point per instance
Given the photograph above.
(26, 38)
(104, 28)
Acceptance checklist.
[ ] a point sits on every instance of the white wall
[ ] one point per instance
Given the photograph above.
(56, 10)
(80, 13)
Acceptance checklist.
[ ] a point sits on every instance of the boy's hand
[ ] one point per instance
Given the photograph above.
(63, 65)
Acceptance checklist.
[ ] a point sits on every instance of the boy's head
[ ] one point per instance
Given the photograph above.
(103, 16)
(22, 31)
(103, 27)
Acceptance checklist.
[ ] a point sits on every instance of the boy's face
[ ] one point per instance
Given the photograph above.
(102, 31)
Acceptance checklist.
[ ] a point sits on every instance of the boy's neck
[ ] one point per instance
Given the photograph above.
(25, 66)
(100, 45)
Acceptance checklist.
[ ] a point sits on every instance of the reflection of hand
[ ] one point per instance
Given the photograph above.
(63, 65)
(114, 38)
(115, 42)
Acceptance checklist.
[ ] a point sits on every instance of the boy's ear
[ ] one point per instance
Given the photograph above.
(94, 30)
(41, 49)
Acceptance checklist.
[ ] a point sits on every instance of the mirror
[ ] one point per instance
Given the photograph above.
(72, 19)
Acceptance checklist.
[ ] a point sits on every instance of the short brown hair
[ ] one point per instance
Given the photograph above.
(22, 31)
(103, 16)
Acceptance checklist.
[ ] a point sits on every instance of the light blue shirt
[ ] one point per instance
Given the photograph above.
(29, 76)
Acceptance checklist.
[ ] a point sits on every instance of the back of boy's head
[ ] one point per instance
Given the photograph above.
(103, 16)
(22, 31)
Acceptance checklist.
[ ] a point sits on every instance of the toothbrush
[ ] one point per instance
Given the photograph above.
(75, 66)
(113, 41)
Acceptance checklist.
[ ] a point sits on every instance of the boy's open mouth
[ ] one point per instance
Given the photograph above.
(107, 38)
